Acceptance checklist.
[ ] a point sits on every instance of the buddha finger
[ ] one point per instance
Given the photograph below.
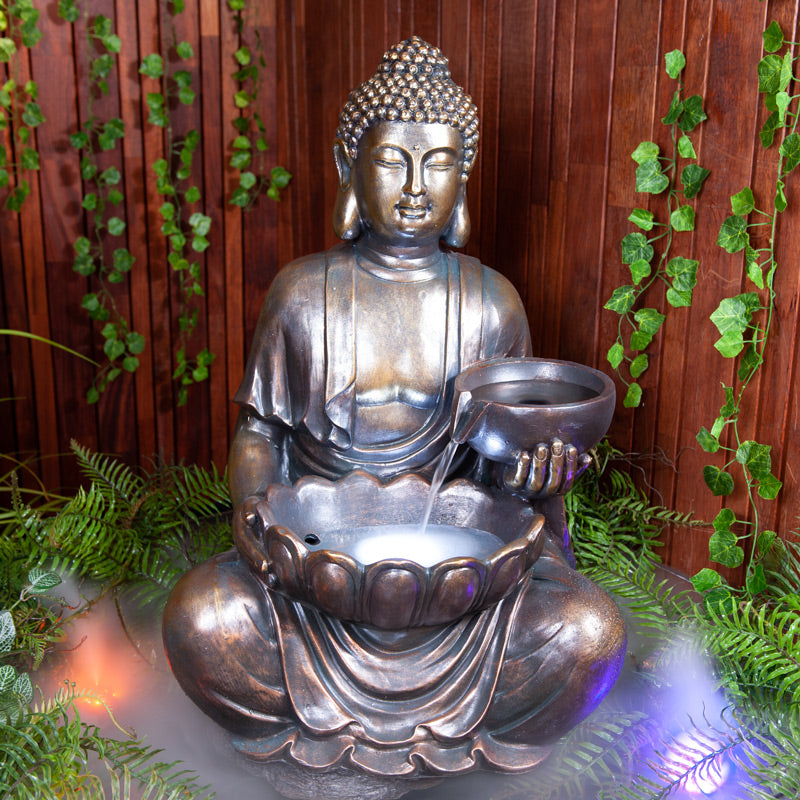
(571, 466)
(516, 474)
(538, 470)
(556, 471)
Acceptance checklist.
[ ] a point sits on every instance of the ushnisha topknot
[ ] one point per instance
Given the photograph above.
(412, 84)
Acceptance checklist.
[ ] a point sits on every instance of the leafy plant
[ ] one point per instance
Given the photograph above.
(657, 174)
(250, 145)
(174, 181)
(744, 322)
(19, 110)
(122, 346)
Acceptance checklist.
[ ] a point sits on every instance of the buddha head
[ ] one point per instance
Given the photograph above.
(404, 149)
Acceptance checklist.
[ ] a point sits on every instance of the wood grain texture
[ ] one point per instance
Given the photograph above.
(566, 90)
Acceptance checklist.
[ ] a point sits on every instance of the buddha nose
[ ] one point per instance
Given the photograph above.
(415, 184)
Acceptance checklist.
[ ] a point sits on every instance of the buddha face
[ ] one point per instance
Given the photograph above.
(407, 178)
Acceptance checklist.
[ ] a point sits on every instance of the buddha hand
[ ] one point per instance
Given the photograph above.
(545, 471)
(248, 527)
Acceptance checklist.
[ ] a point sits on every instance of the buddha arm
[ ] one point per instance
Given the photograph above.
(256, 458)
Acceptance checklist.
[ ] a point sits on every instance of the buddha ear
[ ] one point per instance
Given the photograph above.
(456, 234)
(346, 219)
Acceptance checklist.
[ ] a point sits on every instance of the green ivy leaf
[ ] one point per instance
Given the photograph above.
(123, 259)
(640, 340)
(686, 148)
(110, 177)
(708, 442)
(730, 402)
(780, 197)
(723, 549)
(635, 247)
(646, 151)
(679, 299)
(134, 342)
(115, 197)
(7, 49)
(706, 579)
(756, 581)
(730, 344)
(772, 74)
(742, 203)
(92, 395)
(639, 365)
(765, 541)
(29, 158)
(782, 101)
(682, 218)
(68, 11)
(642, 219)
(115, 226)
(615, 354)
(790, 150)
(240, 159)
(693, 113)
(649, 320)
(32, 116)
(241, 143)
(731, 315)
(622, 299)
(756, 457)
(750, 361)
(242, 56)
(84, 265)
(186, 96)
(767, 132)
(639, 269)
(184, 50)
(675, 110)
(280, 177)
(650, 178)
(773, 38)
(692, 178)
(130, 363)
(716, 428)
(719, 482)
(200, 223)
(247, 180)
(633, 397)
(724, 519)
(675, 62)
(769, 487)
(683, 272)
(733, 235)
(113, 348)
(182, 78)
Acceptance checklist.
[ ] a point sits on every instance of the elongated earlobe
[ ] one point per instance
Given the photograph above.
(457, 232)
(346, 219)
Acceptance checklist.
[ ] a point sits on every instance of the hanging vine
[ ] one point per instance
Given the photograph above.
(102, 197)
(744, 322)
(656, 174)
(20, 113)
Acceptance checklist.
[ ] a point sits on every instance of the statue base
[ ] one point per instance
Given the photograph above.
(299, 783)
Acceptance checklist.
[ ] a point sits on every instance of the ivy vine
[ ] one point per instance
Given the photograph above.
(185, 236)
(102, 197)
(657, 174)
(20, 113)
(744, 323)
(250, 145)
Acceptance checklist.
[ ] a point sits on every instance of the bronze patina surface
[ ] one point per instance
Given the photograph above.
(352, 370)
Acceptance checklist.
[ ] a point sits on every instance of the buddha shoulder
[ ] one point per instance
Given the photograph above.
(300, 282)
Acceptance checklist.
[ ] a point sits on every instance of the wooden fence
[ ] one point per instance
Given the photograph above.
(566, 91)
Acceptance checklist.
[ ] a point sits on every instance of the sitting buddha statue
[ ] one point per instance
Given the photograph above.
(352, 367)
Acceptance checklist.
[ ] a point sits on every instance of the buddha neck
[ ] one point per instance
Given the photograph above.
(397, 257)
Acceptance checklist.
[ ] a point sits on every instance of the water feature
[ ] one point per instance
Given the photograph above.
(442, 469)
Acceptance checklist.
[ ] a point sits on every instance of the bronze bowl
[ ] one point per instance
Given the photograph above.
(505, 406)
(299, 540)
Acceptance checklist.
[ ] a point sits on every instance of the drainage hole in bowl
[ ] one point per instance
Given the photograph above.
(311, 539)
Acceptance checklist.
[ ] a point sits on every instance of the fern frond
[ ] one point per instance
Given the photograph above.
(695, 755)
(111, 478)
(758, 647)
(598, 754)
(655, 606)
